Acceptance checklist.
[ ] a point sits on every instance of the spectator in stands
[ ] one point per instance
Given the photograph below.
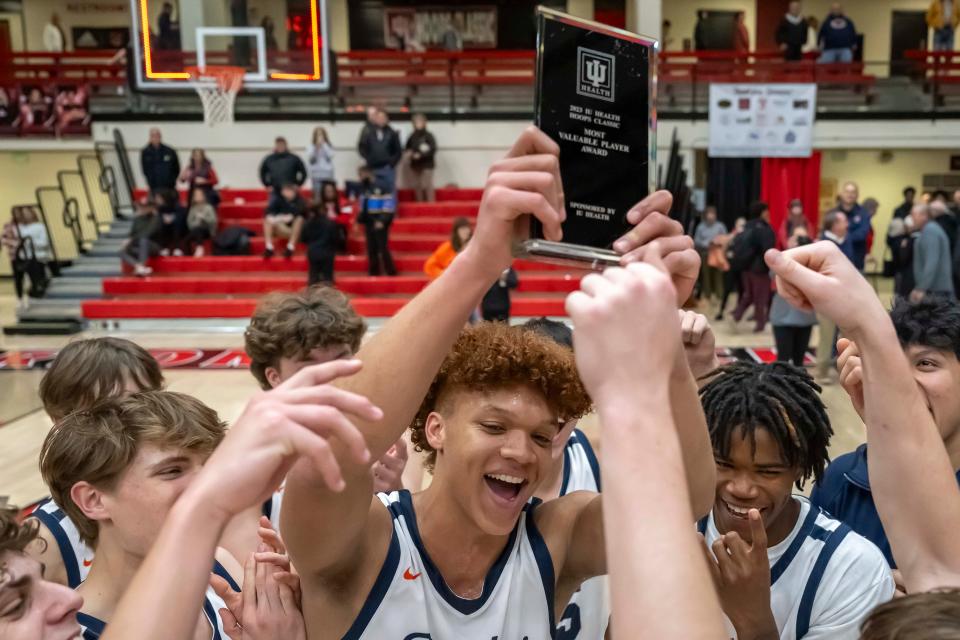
(168, 38)
(201, 223)
(8, 111)
(376, 215)
(71, 107)
(794, 220)
(900, 248)
(379, 146)
(421, 149)
(859, 220)
(759, 238)
(943, 17)
(666, 40)
(281, 168)
(732, 278)
(838, 37)
(329, 203)
(320, 234)
(495, 306)
(270, 33)
(141, 246)
(452, 39)
(199, 175)
(26, 241)
(741, 37)
(54, 39)
(705, 239)
(945, 218)
(813, 35)
(932, 266)
(160, 164)
(441, 258)
(700, 32)
(792, 326)
(904, 209)
(284, 219)
(37, 109)
(792, 33)
(173, 222)
(320, 157)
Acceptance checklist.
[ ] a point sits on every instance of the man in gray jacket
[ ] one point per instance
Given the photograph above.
(932, 265)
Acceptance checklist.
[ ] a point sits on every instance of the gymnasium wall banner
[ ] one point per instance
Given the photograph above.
(762, 120)
(421, 28)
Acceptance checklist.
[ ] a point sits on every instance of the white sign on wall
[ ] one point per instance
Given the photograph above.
(762, 120)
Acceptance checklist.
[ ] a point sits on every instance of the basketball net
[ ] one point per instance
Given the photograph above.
(217, 87)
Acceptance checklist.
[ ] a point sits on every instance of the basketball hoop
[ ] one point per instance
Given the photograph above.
(217, 87)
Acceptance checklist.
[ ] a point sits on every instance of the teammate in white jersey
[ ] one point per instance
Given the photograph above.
(491, 431)
(782, 568)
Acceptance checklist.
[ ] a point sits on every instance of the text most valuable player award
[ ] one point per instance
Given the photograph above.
(595, 98)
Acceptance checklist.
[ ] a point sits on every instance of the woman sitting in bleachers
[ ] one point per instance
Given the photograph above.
(71, 107)
(36, 109)
(201, 224)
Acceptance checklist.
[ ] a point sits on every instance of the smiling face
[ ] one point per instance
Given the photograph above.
(31, 607)
(937, 373)
(493, 449)
(759, 479)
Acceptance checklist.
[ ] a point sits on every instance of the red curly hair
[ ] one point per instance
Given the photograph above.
(494, 355)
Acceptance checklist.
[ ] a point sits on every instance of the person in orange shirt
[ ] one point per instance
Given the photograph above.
(446, 252)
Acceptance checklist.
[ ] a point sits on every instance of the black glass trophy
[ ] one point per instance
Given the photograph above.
(595, 96)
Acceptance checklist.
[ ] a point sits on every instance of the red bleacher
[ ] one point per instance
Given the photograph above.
(230, 286)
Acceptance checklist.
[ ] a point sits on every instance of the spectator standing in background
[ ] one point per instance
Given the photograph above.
(859, 220)
(900, 246)
(944, 217)
(201, 224)
(169, 30)
(732, 278)
(452, 39)
(741, 37)
(28, 245)
(320, 235)
(794, 220)
(838, 37)
(813, 35)
(379, 146)
(758, 238)
(666, 40)
(704, 239)
(836, 229)
(320, 156)
(284, 218)
(329, 204)
(932, 266)
(54, 39)
(200, 176)
(281, 168)
(270, 33)
(792, 326)
(904, 209)
(943, 17)
(421, 148)
(441, 258)
(160, 164)
(376, 215)
(792, 33)
(700, 32)
(495, 306)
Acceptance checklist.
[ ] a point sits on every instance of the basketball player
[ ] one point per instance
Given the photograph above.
(929, 333)
(782, 567)
(482, 547)
(911, 478)
(289, 331)
(30, 605)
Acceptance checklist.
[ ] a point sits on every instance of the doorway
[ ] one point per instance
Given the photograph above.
(908, 31)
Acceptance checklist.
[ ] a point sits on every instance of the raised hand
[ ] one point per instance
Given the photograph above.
(388, 470)
(699, 343)
(741, 573)
(851, 372)
(625, 328)
(652, 222)
(301, 417)
(819, 277)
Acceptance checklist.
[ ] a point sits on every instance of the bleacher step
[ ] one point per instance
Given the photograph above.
(51, 310)
(64, 328)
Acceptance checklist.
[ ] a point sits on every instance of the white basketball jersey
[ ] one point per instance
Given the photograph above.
(410, 600)
(824, 578)
(77, 556)
(92, 628)
(588, 613)
(271, 508)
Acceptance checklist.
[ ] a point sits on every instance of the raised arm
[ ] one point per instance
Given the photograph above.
(623, 365)
(912, 481)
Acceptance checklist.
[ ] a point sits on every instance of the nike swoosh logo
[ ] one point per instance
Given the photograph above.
(407, 575)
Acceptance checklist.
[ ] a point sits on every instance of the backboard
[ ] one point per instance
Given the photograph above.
(281, 43)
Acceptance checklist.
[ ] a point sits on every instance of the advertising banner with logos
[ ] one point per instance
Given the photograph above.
(762, 120)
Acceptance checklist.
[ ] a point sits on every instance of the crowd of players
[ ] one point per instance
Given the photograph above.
(164, 524)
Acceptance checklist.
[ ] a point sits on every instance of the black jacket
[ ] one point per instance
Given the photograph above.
(319, 232)
(496, 302)
(792, 35)
(417, 142)
(903, 210)
(278, 169)
(379, 147)
(161, 166)
(761, 238)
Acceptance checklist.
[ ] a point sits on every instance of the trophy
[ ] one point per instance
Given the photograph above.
(595, 96)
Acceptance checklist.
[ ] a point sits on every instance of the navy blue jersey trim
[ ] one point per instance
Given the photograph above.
(93, 627)
(212, 617)
(833, 540)
(221, 571)
(464, 606)
(544, 562)
(70, 561)
(591, 456)
(268, 508)
(702, 524)
(567, 462)
(805, 529)
(379, 590)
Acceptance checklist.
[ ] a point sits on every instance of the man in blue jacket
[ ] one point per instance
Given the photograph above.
(860, 227)
(929, 332)
(838, 36)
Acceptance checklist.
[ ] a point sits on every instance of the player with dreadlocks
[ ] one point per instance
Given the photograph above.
(782, 568)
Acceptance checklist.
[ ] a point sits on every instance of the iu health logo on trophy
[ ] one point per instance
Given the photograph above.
(595, 73)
